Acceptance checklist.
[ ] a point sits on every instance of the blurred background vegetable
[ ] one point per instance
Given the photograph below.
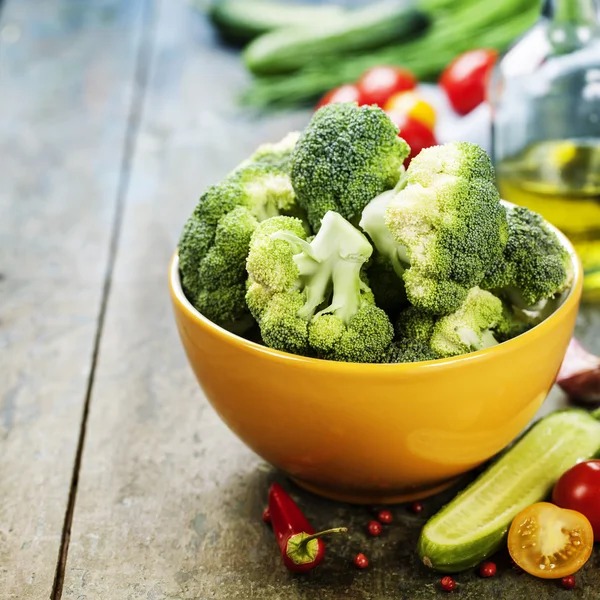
(579, 375)
(465, 79)
(393, 89)
(413, 106)
(379, 83)
(375, 25)
(344, 93)
(417, 135)
(337, 48)
(240, 21)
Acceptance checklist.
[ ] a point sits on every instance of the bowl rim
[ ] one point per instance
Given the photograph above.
(571, 298)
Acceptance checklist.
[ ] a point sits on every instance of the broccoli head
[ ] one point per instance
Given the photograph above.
(470, 327)
(447, 223)
(534, 267)
(309, 297)
(415, 324)
(276, 154)
(215, 240)
(410, 350)
(345, 157)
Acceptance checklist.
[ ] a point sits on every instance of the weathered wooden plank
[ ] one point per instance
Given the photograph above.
(66, 87)
(169, 501)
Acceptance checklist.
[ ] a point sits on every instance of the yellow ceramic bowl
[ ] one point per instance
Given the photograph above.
(375, 433)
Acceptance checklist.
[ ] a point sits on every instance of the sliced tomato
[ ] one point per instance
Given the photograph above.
(417, 135)
(550, 542)
(379, 83)
(344, 93)
(413, 106)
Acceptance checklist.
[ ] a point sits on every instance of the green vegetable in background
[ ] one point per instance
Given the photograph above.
(456, 27)
(370, 27)
(243, 20)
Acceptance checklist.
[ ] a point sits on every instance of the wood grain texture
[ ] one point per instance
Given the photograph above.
(169, 501)
(66, 82)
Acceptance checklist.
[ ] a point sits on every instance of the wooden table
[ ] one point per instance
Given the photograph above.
(118, 481)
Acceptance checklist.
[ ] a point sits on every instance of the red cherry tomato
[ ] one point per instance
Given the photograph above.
(464, 80)
(344, 93)
(379, 83)
(579, 489)
(417, 135)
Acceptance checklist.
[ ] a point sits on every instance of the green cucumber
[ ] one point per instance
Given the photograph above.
(243, 20)
(475, 523)
(376, 25)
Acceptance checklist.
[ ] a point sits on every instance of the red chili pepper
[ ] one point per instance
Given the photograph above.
(301, 548)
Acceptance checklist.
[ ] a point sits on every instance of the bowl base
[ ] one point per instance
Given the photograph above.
(382, 498)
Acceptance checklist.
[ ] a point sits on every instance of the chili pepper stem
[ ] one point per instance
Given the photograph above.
(299, 548)
(319, 534)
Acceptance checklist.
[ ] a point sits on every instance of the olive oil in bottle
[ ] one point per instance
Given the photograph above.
(560, 179)
(545, 100)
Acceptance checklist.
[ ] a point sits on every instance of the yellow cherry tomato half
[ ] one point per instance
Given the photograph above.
(413, 106)
(550, 542)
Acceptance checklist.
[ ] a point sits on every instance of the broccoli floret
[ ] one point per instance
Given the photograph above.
(535, 266)
(448, 225)
(345, 157)
(415, 324)
(310, 298)
(470, 327)
(276, 154)
(410, 350)
(215, 240)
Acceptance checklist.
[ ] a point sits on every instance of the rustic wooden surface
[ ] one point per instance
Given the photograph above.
(65, 98)
(167, 500)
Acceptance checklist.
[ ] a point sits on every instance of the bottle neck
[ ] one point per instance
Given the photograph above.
(572, 24)
(580, 12)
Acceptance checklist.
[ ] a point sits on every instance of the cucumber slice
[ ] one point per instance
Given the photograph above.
(475, 523)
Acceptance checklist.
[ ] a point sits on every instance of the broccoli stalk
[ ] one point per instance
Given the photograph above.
(373, 222)
(319, 266)
(344, 158)
(310, 297)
